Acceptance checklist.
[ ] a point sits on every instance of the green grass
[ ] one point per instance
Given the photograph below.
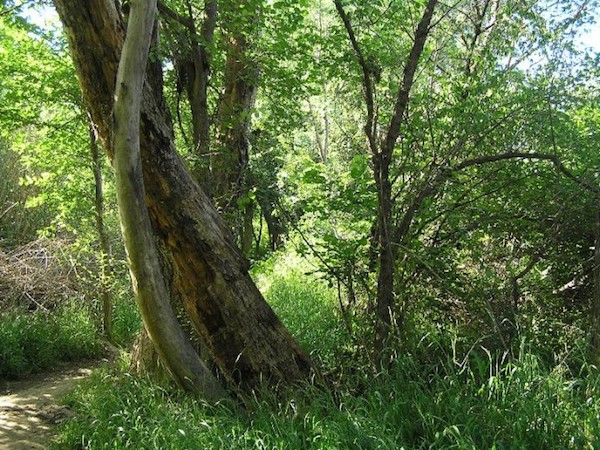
(126, 320)
(34, 341)
(520, 405)
(475, 401)
(307, 307)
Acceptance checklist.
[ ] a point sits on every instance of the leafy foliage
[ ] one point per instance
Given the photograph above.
(493, 282)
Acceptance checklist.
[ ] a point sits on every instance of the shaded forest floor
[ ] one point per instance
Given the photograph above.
(31, 407)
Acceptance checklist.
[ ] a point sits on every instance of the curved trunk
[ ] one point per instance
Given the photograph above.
(246, 339)
(160, 321)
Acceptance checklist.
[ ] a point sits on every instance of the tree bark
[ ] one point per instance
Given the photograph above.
(105, 268)
(230, 162)
(194, 74)
(244, 336)
(275, 227)
(160, 321)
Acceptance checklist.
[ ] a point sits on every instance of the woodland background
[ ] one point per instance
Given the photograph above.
(481, 216)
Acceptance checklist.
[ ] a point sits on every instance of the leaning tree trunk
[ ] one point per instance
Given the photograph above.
(149, 284)
(246, 339)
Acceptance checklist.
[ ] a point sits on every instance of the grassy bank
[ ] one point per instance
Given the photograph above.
(521, 406)
(35, 341)
(478, 400)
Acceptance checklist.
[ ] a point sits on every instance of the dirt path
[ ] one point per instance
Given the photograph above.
(30, 408)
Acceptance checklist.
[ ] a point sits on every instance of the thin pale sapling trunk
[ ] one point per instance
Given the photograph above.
(173, 346)
(105, 268)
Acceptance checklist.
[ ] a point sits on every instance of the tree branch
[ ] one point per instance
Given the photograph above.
(9, 10)
(408, 79)
(174, 15)
(368, 84)
(526, 155)
(444, 174)
(209, 24)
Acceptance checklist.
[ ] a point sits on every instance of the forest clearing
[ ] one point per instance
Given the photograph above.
(312, 224)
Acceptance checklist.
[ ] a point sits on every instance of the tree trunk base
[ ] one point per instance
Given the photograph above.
(145, 362)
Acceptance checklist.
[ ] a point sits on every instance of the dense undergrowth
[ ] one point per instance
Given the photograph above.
(433, 396)
(522, 405)
(50, 310)
(34, 341)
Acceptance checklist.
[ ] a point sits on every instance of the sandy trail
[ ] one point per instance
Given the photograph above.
(30, 408)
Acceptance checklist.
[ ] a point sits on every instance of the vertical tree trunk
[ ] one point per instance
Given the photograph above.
(199, 86)
(274, 226)
(382, 156)
(193, 67)
(230, 161)
(595, 312)
(389, 233)
(387, 255)
(244, 336)
(247, 231)
(105, 268)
